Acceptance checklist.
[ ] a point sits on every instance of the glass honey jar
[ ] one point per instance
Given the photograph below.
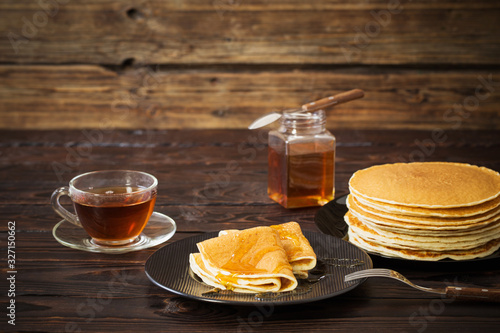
(301, 161)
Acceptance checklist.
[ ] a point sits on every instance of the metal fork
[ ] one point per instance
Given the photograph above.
(485, 294)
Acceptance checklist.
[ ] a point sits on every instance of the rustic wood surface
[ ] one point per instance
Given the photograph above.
(220, 64)
(250, 31)
(60, 289)
(87, 96)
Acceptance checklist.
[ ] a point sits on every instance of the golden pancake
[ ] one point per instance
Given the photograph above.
(414, 229)
(246, 261)
(425, 211)
(381, 217)
(479, 252)
(488, 207)
(419, 242)
(427, 184)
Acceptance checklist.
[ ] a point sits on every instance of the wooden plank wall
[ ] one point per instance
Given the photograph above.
(220, 64)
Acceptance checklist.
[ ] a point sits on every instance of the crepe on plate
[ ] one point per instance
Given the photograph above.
(425, 211)
(254, 260)
(299, 252)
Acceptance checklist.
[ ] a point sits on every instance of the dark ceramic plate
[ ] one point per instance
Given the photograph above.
(330, 220)
(168, 268)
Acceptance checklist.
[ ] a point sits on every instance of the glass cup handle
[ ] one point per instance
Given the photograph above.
(56, 205)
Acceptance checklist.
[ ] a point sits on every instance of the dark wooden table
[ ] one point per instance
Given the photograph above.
(212, 180)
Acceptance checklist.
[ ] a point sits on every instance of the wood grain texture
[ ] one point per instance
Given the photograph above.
(250, 32)
(222, 168)
(221, 64)
(87, 96)
(60, 289)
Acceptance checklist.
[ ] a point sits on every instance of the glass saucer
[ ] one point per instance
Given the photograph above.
(159, 229)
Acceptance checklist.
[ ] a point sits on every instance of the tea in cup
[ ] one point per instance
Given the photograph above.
(112, 206)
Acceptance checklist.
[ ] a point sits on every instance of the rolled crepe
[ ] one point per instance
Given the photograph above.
(299, 252)
(247, 261)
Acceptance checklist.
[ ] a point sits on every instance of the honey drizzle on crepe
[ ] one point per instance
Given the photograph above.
(227, 281)
(236, 263)
(284, 234)
(256, 260)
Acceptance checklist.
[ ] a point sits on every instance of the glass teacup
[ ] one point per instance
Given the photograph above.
(113, 206)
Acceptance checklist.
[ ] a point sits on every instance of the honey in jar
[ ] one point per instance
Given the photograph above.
(301, 161)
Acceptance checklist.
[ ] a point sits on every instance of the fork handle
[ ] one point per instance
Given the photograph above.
(485, 294)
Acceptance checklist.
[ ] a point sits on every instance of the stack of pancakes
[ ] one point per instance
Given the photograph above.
(425, 211)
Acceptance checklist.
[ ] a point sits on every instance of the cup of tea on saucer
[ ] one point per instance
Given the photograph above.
(112, 206)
